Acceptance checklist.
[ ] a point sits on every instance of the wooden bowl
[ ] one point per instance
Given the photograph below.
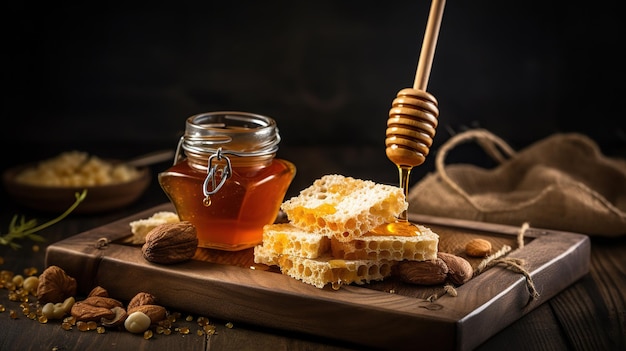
(58, 199)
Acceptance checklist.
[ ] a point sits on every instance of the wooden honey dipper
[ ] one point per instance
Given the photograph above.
(413, 115)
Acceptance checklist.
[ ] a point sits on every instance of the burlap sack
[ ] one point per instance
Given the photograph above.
(562, 182)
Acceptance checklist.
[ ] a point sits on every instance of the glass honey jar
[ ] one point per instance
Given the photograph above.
(226, 179)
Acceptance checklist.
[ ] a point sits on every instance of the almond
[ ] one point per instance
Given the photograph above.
(85, 312)
(99, 291)
(459, 269)
(142, 298)
(171, 243)
(429, 272)
(478, 248)
(101, 301)
(155, 312)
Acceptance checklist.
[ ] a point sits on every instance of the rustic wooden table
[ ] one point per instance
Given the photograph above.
(588, 315)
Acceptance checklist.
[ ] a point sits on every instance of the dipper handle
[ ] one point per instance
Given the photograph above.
(413, 116)
(429, 43)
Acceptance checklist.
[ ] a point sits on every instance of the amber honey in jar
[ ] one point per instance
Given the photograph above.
(226, 179)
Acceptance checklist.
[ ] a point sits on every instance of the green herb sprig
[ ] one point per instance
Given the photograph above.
(20, 228)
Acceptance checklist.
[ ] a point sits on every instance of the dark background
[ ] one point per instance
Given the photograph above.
(120, 80)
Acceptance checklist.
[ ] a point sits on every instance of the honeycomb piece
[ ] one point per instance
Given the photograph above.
(344, 206)
(328, 270)
(389, 247)
(288, 239)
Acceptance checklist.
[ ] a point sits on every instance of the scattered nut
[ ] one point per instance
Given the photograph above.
(459, 269)
(430, 272)
(100, 301)
(142, 298)
(171, 243)
(117, 320)
(55, 285)
(51, 311)
(82, 311)
(155, 312)
(18, 280)
(99, 291)
(137, 322)
(30, 284)
(478, 248)
(58, 310)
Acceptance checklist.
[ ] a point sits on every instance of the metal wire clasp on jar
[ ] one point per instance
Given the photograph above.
(226, 179)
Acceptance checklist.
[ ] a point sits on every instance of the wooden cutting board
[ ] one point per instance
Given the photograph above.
(387, 314)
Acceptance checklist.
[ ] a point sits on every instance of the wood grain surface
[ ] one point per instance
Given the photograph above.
(222, 284)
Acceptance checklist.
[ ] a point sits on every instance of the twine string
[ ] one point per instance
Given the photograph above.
(514, 264)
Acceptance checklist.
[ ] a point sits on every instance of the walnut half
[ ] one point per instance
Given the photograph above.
(171, 243)
(55, 285)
